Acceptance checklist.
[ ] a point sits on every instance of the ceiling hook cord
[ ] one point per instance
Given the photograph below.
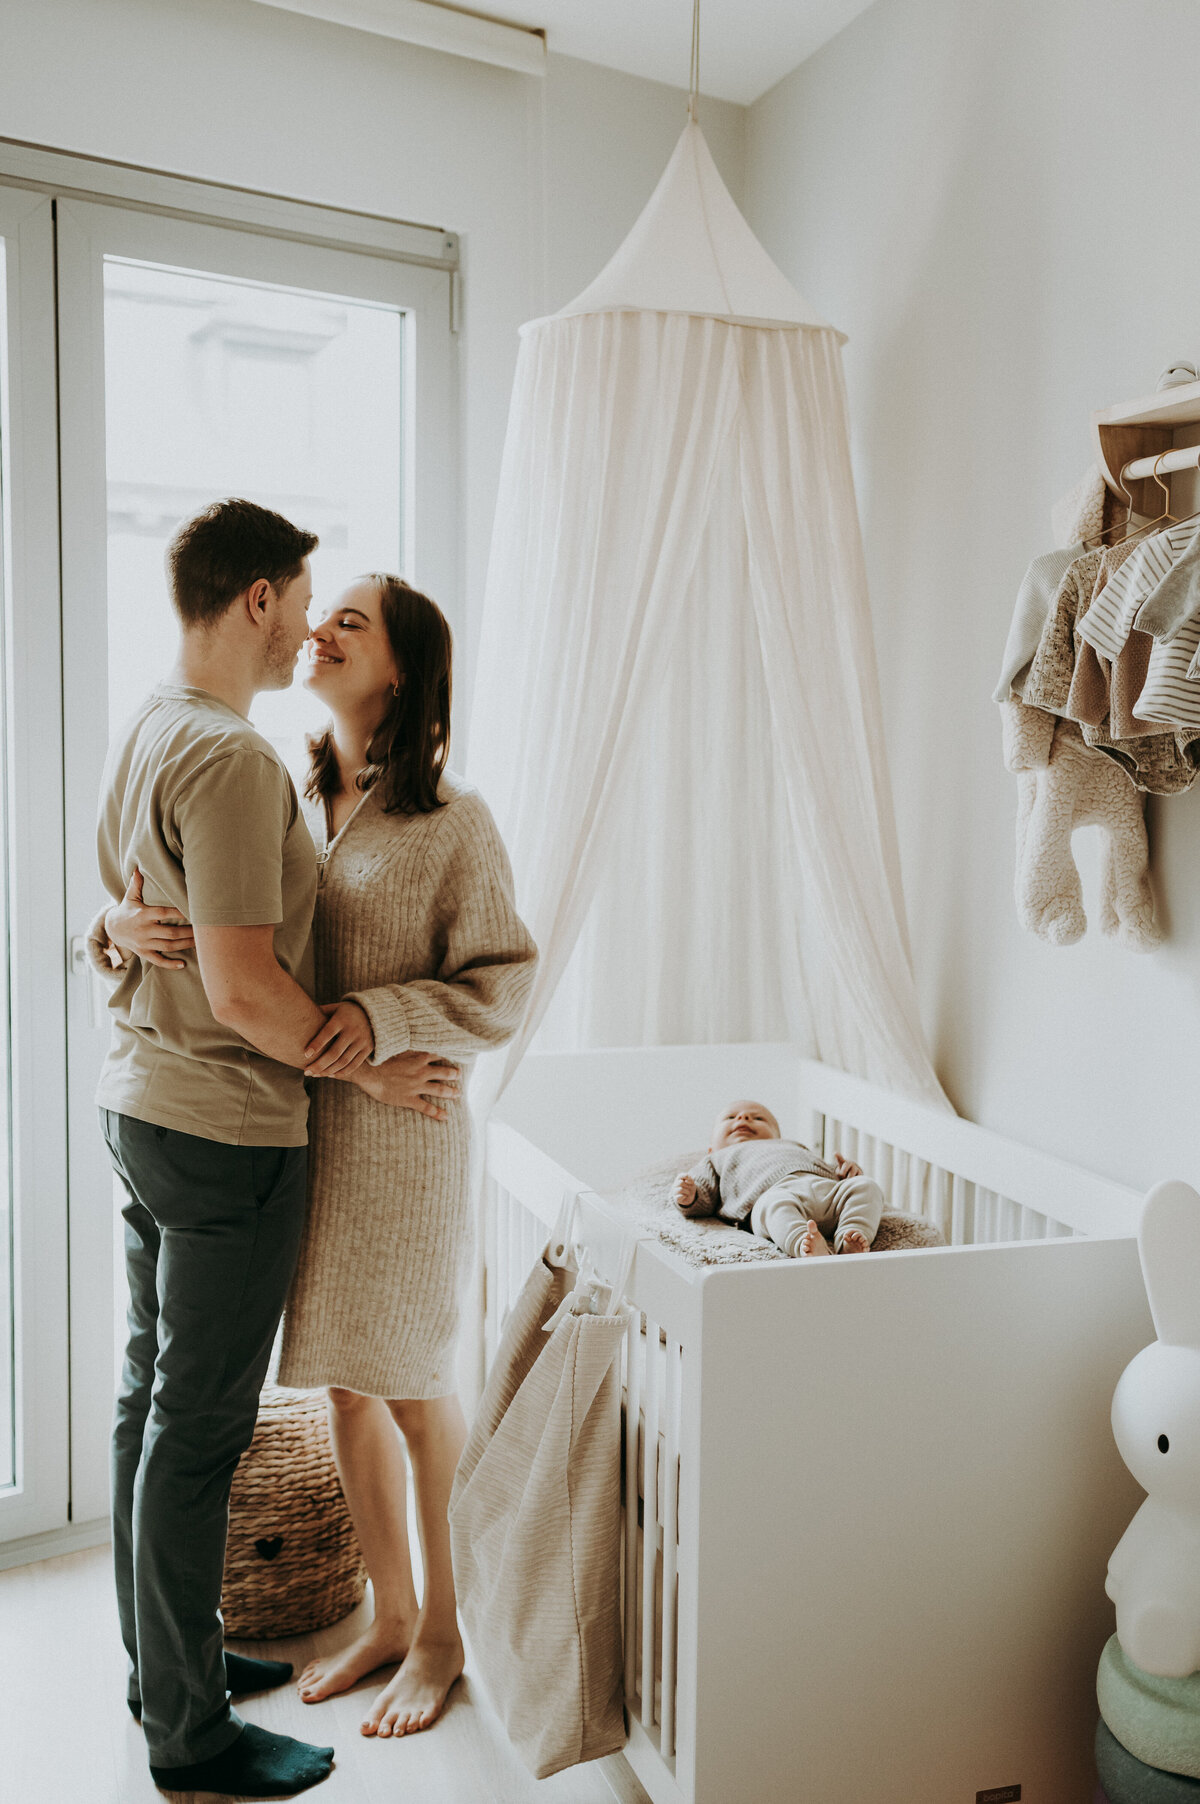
(694, 69)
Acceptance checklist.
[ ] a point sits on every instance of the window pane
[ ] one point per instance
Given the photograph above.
(217, 387)
(8, 1461)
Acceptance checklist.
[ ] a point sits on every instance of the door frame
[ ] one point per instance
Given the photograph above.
(34, 878)
(162, 219)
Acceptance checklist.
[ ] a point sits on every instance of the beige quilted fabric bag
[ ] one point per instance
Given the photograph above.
(535, 1529)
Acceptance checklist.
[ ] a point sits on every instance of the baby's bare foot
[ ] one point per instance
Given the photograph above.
(854, 1242)
(417, 1695)
(811, 1243)
(383, 1644)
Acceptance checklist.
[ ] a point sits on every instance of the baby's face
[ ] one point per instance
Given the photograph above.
(744, 1121)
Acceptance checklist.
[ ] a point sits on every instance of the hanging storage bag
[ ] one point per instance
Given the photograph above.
(535, 1520)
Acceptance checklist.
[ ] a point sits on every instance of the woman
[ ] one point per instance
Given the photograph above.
(416, 931)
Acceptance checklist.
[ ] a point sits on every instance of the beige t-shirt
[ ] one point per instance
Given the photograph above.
(205, 808)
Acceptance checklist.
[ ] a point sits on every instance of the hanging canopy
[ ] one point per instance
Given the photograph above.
(692, 252)
(676, 716)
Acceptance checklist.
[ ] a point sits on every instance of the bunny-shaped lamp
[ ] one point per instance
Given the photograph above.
(1154, 1573)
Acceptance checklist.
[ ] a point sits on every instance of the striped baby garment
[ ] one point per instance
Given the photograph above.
(1170, 693)
(1113, 612)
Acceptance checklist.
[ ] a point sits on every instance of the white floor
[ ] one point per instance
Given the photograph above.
(68, 1738)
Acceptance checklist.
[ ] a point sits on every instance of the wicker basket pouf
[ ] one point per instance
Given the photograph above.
(292, 1562)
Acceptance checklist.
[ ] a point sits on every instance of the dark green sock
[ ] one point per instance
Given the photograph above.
(257, 1765)
(242, 1675)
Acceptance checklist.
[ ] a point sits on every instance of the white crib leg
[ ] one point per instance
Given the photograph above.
(649, 1521)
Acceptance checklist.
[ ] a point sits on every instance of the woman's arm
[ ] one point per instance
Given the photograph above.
(155, 935)
(486, 962)
(103, 956)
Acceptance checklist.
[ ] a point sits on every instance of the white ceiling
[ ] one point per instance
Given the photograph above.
(746, 46)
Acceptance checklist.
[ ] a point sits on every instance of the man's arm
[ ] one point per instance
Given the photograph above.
(249, 991)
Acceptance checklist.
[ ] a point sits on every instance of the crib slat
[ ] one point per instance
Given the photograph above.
(906, 1168)
(632, 1407)
(503, 1226)
(959, 1224)
(864, 1152)
(1032, 1225)
(670, 1550)
(649, 1519)
(943, 1191)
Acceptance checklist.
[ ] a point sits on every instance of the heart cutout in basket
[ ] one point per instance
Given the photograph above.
(268, 1547)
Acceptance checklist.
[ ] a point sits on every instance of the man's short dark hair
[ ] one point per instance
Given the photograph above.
(220, 552)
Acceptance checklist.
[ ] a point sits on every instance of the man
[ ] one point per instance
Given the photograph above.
(204, 1111)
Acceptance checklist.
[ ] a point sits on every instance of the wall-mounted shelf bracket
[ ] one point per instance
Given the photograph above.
(1148, 427)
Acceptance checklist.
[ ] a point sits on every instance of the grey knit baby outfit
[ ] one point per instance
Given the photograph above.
(776, 1187)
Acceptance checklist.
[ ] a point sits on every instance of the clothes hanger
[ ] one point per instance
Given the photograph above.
(1166, 514)
(1166, 518)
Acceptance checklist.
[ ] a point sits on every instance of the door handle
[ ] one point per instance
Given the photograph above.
(81, 966)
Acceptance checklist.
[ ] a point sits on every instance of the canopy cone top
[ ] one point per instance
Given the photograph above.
(692, 252)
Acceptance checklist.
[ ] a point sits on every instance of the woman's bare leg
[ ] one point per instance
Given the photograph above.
(435, 1432)
(370, 1463)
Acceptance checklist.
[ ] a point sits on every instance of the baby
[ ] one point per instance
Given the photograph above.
(778, 1189)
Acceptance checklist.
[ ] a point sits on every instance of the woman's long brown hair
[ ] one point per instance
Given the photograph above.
(408, 749)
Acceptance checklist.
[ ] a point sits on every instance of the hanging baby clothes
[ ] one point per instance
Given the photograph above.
(1160, 763)
(1102, 692)
(1063, 783)
(1077, 517)
(1115, 608)
(1170, 693)
(1176, 597)
(1034, 600)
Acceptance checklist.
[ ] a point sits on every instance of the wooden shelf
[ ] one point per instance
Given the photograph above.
(1144, 428)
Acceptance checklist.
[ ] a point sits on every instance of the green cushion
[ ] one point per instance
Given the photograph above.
(1157, 1720)
(1127, 1780)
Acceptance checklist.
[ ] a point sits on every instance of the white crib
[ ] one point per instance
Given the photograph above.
(868, 1502)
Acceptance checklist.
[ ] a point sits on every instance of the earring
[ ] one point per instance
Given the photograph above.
(395, 688)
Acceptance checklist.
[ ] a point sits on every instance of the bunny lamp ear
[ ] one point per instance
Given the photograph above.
(1169, 1245)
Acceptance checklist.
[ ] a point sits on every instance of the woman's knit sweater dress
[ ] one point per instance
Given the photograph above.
(415, 921)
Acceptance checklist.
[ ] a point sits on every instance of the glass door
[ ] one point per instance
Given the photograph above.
(198, 362)
(34, 1451)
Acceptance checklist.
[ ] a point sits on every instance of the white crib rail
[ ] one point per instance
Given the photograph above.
(968, 1214)
(963, 1177)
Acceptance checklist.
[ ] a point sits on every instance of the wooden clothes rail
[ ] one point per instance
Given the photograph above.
(1133, 436)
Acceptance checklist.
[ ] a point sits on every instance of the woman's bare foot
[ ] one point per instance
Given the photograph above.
(811, 1244)
(383, 1644)
(417, 1695)
(854, 1242)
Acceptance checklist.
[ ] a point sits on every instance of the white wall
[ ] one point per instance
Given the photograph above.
(998, 204)
(541, 178)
